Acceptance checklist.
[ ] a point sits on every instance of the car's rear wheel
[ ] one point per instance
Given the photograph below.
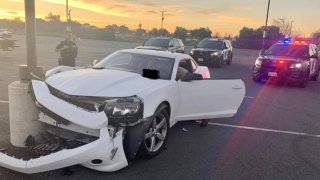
(156, 136)
(316, 76)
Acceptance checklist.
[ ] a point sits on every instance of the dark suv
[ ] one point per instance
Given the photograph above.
(213, 52)
(294, 62)
(163, 44)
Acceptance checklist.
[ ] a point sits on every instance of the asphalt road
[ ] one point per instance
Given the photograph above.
(275, 134)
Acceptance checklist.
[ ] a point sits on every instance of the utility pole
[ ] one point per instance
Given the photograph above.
(162, 19)
(68, 16)
(266, 26)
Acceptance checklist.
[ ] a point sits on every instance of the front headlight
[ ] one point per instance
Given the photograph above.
(296, 66)
(258, 62)
(215, 54)
(123, 110)
(192, 52)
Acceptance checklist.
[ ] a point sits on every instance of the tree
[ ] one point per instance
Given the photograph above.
(164, 32)
(154, 32)
(316, 35)
(52, 18)
(252, 38)
(201, 33)
(181, 33)
(140, 32)
(284, 25)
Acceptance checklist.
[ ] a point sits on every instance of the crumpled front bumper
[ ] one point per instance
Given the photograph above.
(101, 149)
(107, 151)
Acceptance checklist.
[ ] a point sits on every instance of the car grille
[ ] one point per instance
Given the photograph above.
(77, 101)
(201, 54)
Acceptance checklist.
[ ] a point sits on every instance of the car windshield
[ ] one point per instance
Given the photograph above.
(210, 44)
(132, 62)
(157, 42)
(288, 50)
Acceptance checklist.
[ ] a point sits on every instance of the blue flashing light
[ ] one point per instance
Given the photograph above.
(287, 40)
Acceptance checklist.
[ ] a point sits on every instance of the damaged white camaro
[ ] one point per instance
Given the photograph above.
(102, 117)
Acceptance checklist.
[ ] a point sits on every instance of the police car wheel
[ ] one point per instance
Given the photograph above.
(305, 80)
(316, 76)
(219, 63)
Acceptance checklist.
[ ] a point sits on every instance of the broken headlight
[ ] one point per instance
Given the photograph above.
(123, 110)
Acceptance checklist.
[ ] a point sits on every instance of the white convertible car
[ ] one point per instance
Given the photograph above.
(102, 117)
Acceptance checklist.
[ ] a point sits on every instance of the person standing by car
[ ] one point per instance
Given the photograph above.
(68, 50)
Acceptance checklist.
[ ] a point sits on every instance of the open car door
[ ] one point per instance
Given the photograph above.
(206, 99)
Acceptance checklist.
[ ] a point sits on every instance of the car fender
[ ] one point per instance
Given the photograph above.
(153, 97)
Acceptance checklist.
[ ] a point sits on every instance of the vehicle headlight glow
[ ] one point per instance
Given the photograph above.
(258, 62)
(192, 51)
(296, 66)
(215, 54)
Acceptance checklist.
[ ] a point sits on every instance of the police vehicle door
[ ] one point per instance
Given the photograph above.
(225, 51)
(313, 59)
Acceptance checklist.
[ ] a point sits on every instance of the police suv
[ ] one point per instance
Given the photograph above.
(294, 61)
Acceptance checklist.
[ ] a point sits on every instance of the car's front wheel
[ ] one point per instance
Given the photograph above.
(305, 80)
(156, 136)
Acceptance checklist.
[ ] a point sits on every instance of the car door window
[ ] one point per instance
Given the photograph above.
(176, 43)
(184, 68)
(311, 52)
(194, 66)
(171, 43)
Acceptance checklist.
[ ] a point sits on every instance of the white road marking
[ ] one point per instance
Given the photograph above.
(7, 102)
(249, 97)
(265, 130)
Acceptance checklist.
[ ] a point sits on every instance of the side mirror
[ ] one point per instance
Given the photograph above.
(171, 45)
(262, 51)
(96, 61)
(191, 77)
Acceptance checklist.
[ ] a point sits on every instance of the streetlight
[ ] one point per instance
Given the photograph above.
(162, 19)
(265, 27)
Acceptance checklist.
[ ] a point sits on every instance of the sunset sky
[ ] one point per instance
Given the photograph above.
(223, 16)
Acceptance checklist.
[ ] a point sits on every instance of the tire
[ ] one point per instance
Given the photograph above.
(219, 63)
(316, 76)
(255, 79)
(304, 82)
(229, 61)
(157, 134)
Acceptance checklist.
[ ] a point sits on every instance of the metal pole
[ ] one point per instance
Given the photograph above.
(162, 18)
(67, 11)
(30, 33)
(266, 25)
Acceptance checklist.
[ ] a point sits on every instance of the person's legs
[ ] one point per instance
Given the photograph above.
(204, 122)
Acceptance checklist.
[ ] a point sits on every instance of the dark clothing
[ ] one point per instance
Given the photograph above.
(69, 54)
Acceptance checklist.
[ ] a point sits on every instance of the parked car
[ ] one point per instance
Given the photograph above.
(164, 44)
(123, 106)
(213, 52)
(5, 33)
(289, 61)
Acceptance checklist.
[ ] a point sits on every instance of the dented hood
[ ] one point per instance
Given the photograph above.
(101, 83)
